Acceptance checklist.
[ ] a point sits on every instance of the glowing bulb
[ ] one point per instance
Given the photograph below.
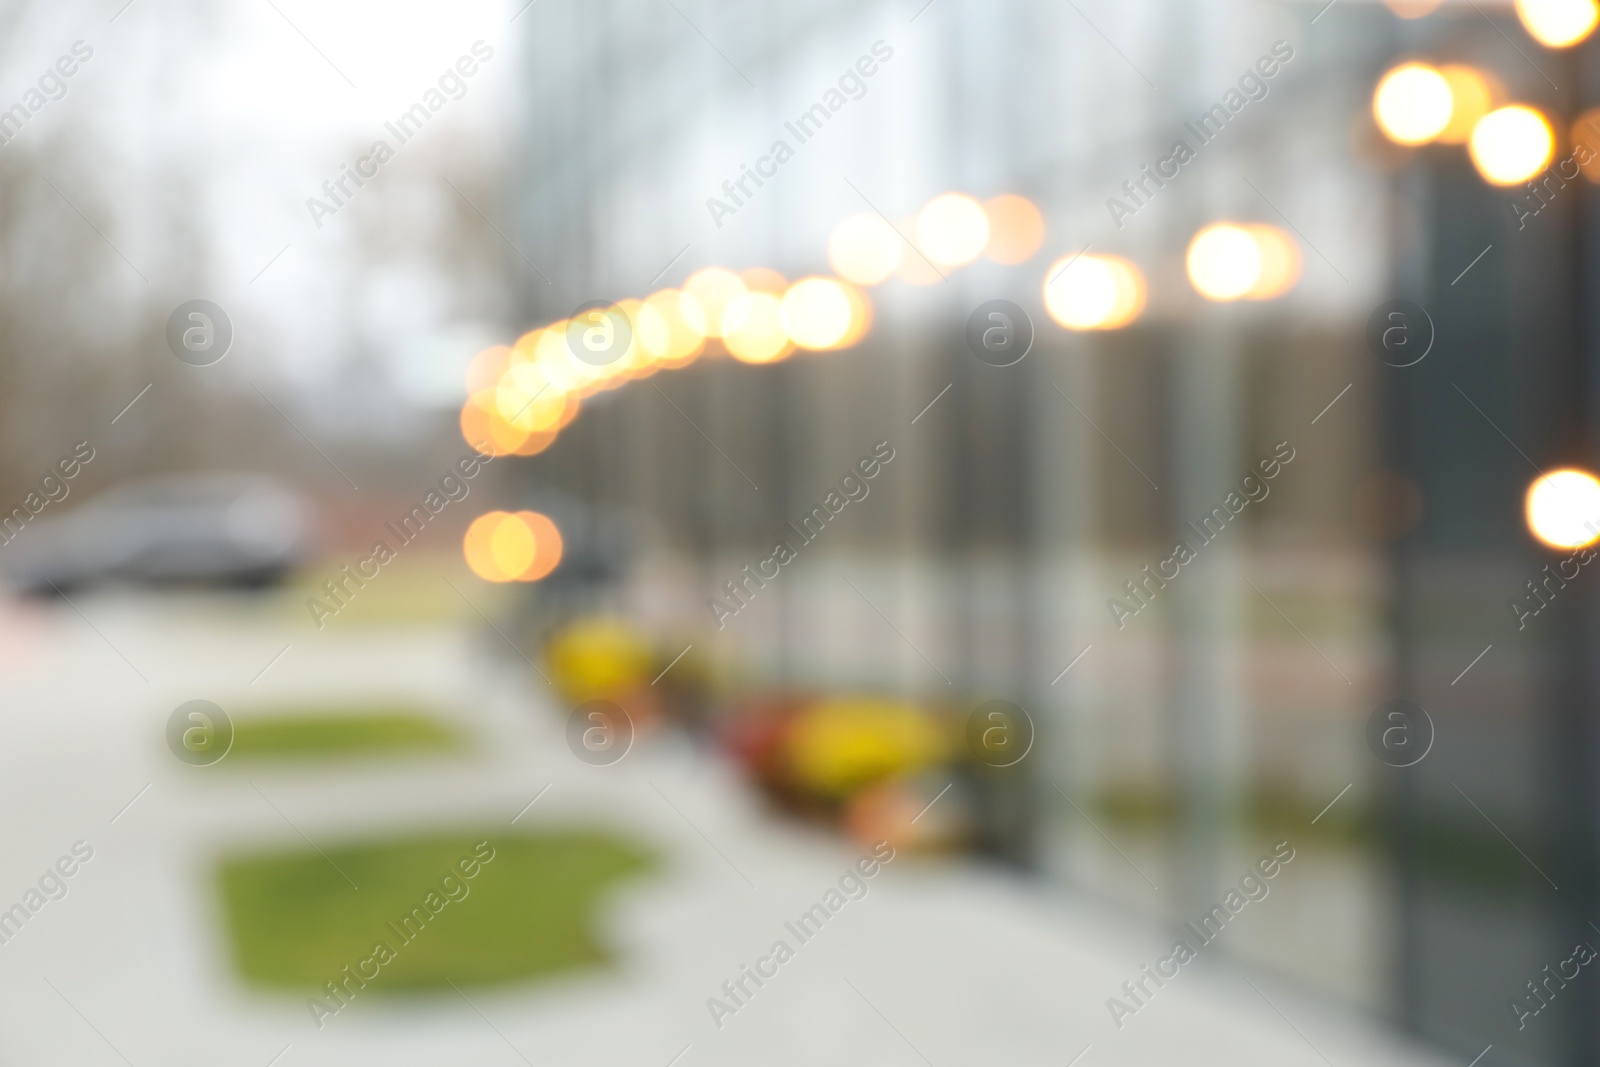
(484, 428)
(526, 398)
(1471, 98)
(653, 333)
(1224, 262)
(952, 230)
(1511, 145)
(539, 348)
(1558, 23)
(547, 545)
(713, 289)
(1412, 103)
(1016, 229)
(1586, 132)
(1080, 294)
(1130, 293)
(752, 328)
(635, 361)
(860, 317)
(486, 368)
(551, 354)
(916, 268)
(693, 314)
(672, 328)
(477, 547)
(1093, 292)
(486, 431)
(763, 280)
(527, 346)
(1563, 509)
(865, 249)
(816, 313)
(511, 546)
(1280, 262)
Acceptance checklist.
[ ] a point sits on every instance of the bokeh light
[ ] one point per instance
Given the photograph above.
(1472, 96)
(478, 547)
(548, 546)
(485, 428)
(526, 350)
(764, 280)
(860, 316)
(521, 396)
(672, 328)
(1224, 262)
(712, 290)
(816, 313)
(1016, 229)
(1563, 508)
(636, 361)
(752, 328)
(1586, 132)
(1558, 23)
(486, 431)
(865, 249)
(1412, 104)
(486, 367)
(547, 349)
(1280, 262)
(1511, 145)
(521, 546)
(1090, 292)
(526, 398)
(916, 268)
(511, 546)
(952, 230)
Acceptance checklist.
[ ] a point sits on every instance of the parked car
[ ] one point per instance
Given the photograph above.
(221, 529)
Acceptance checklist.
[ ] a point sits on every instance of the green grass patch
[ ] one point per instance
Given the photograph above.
(295, 921)
(340, 733)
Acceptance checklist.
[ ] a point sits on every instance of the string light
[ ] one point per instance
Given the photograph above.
(519, 397)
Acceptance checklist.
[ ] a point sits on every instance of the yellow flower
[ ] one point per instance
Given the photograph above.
(597, 657)
(837, 746)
